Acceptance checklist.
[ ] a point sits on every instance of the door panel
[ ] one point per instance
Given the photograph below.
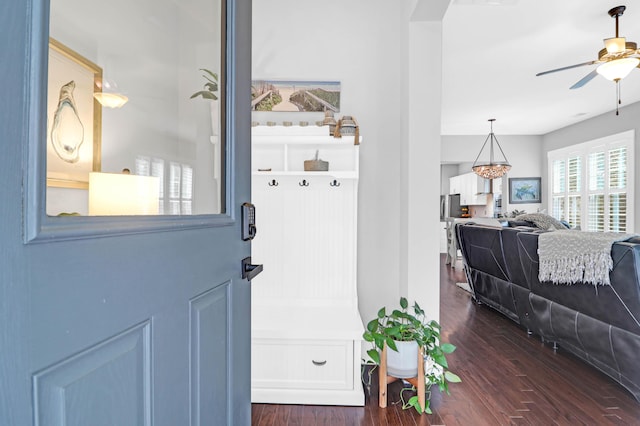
(120, 367)
(209, 382)
(127, 321)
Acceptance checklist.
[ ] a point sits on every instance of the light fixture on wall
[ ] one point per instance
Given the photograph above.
(492, 169)
(109, 95)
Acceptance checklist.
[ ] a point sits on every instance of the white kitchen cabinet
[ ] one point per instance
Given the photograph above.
(472, 188)
(306, 328)
(455, 186)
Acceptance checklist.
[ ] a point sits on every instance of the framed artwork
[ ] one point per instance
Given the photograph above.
(291, 96)
(74, 118)
(524, 190)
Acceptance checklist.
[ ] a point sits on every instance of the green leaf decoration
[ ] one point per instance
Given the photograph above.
(404, 303)
(413, 402)
(451, 377)
(372, 325)
(374, 355)
(382, 313)
(210, 86)
(209, 75)
(447, 348)
(391, 344)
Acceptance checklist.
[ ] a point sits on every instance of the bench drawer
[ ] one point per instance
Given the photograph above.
(302, 364)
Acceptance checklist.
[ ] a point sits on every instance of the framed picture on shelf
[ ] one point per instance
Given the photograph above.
(524, 190)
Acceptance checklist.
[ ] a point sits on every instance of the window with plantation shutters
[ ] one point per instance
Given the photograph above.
(148, 166)
(559, 188)
(177, 197)
(591, 184)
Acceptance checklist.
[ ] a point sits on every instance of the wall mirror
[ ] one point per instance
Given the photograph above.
(135, 108)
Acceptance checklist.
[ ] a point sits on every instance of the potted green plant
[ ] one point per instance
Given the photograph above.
(210, 89)
(397, 328)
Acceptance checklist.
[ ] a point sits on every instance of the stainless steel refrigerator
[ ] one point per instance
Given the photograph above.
(450, 206)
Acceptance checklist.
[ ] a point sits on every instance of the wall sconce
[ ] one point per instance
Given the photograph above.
(109, 96)
(115, 194)
(111, 100)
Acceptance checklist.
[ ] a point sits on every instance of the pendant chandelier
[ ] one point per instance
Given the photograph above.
(492, 169)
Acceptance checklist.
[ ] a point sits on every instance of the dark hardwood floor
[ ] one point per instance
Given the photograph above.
(508, 378)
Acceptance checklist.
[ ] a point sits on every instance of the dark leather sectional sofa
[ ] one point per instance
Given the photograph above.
(600, 325)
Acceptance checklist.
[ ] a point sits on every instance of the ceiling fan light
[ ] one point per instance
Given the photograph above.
(615, 44)
(617, 69)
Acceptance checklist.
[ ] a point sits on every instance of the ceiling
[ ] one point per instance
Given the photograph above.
(492, 50)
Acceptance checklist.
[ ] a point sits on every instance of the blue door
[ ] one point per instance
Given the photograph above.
(128, 320)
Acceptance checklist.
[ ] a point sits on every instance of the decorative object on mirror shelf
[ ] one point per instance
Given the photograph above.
(348, 126)
(390, 332)
(491, 169)
(329, 120)
(303, 123)
(271, 123)
(316, 165)
(122, 194)
(74, 118)
(525, 190)
(287, 123)
(255, 123)
(294, 96)
(110, 95)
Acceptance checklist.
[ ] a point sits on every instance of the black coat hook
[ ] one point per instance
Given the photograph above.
(334, 183)
(273, 183)
(303, 183)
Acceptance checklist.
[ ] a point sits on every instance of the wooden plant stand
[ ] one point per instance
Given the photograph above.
(384, 379)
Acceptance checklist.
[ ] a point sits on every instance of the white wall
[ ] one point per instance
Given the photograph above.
(525, 153)
(595, 128)
(447, 171)
(368, 53)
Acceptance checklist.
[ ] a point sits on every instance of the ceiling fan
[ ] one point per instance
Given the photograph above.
(618, 58)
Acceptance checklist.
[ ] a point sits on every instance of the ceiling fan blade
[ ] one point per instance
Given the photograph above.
(587, 78)
(566, 68)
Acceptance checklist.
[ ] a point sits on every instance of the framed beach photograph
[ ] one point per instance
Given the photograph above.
(293, 96)
(74, 118)
(524, 190)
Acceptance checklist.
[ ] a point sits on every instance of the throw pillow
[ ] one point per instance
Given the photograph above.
(542, 221)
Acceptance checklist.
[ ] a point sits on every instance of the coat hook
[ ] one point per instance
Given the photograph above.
(334, 183)
(273, 183)
(303, 183)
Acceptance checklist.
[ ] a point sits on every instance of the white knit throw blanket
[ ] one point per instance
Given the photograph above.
(568, 257)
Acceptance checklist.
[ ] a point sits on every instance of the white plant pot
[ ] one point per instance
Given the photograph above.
(404, 363)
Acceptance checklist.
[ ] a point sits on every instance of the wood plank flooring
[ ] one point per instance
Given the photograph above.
(508, 378)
